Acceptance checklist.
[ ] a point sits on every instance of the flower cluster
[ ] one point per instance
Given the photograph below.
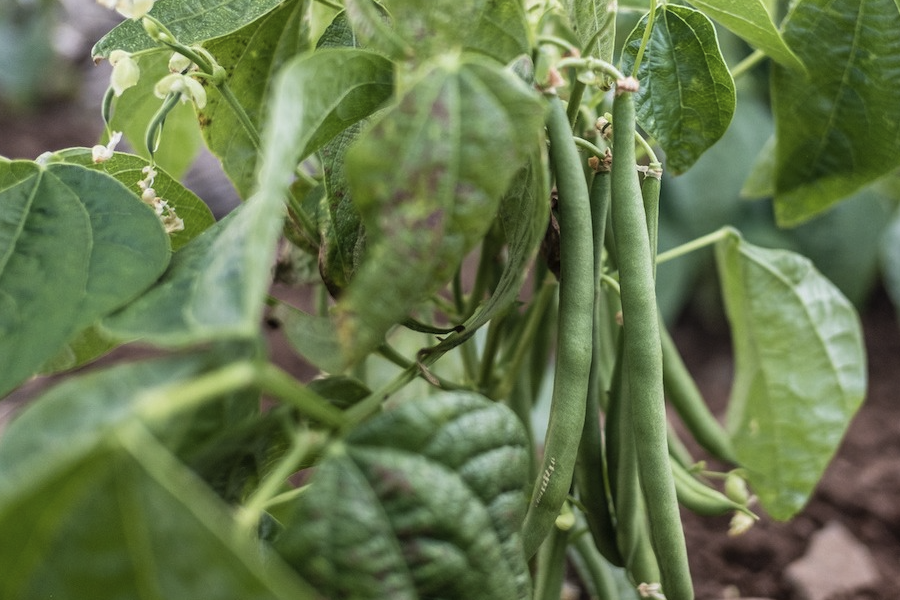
(164, 211)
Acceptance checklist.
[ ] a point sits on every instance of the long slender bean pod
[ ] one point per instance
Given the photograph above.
(650, 190)
(643, 352)
(573, 357)
(682, 392)
(590, 472)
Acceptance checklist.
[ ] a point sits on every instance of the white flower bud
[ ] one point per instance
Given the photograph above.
(125, 73)
(188, 87)
(130, 9)
(179, 63)
(101, 153)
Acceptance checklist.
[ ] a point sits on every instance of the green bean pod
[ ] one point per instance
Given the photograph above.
(650, 189)
(701, 499)
(685, 398)
(643, 352)
(590, 470)
(573, 356)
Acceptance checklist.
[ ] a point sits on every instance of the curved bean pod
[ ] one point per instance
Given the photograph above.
(573, 357)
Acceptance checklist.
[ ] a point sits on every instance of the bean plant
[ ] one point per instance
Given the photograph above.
(450, 212)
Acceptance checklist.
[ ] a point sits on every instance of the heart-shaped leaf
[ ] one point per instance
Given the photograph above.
(687, 96)
(422, 501)
(75, 244)
(800, 370)
(838, 129)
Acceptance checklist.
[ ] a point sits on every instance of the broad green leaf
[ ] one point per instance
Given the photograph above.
(311, 109)
(75, 245)
(890, 260)
(190, 23)
(800, 370)
(839, 129)
(523, 213)
(760, 183)
(687, 96)
(215, 286)
(423, 501)
(128, 169)
(152, 528)
(496, 28)
(428, 178)
(135, 108)
(750, 20)
(342, 235)
(250, 57)
(313, 337)
(594, 21)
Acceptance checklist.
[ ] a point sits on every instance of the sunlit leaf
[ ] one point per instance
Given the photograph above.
(190, 22)
(594, 21)
(800, 370)
(839, 129)
(750, 20)
(687, 96)
(422, 501)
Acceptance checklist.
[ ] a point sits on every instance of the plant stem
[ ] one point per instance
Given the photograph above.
(701, 242)
(275, 381)
(249, 514)
(644, 40)
(750, 61)
(595, 150)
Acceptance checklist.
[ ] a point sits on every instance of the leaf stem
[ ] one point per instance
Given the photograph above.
(592, 148)
(645, 40)
(701, 242)
(750, 61)
(278, 383)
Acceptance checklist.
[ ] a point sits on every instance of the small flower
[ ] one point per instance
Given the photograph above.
(179, 63)
(651, 590)
(125, 73)
(188, 87)
(740, 523)
(101, 153)
(130, 9)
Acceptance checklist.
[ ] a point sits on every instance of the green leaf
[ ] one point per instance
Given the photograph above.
(133, 111)
(423, 501)
(90, 344)
(190, 23)
(594, 22)
(342, 235)
(312, 109)
(839, 129)
(687, 96)
(427, 179)
(249, 56)
(152, 527)
(496, 28)
(215, 286)
(750, 20)
(800, 370)
(523, 213)
(75, 245)
(760, 183)
(128, 169)
(313, 337)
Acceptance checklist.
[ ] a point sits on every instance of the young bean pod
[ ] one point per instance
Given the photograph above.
(590, 471)
(573, 357)
(699, 498)
(643, 353)
(682, 392)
